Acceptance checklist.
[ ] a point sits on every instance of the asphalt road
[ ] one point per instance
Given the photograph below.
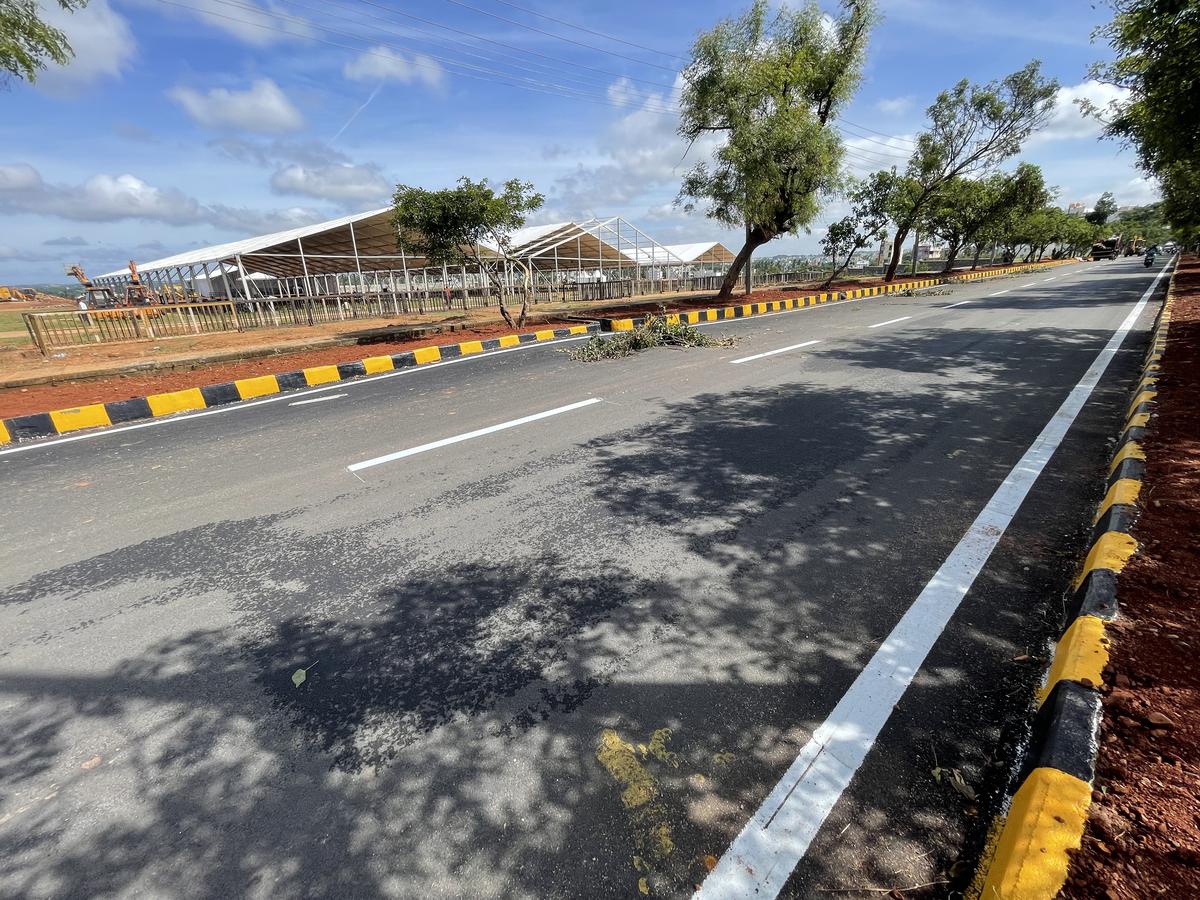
(557, 658)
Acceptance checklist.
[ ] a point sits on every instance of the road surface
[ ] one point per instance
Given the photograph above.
(566, 657)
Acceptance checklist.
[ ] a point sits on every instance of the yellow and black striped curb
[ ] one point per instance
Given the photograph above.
(1028, 849)
(99, 415)
(745, 310)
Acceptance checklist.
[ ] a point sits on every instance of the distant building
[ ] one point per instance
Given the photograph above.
(1076, 209)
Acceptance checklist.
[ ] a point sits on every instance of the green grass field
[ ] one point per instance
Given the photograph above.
(11, 321)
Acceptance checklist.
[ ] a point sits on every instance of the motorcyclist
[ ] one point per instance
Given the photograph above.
(1150, 251)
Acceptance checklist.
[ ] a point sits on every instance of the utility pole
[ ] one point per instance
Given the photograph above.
(916, 238)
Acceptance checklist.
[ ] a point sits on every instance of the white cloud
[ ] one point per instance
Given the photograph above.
(384, 64)
(622, 92)
(263, 108)
(1067, 121)
(638, 153)
(18, 178)
(895, 106)
(261, 221)
(113, 198)
(249, 21)
(347, 183)
(101, 39)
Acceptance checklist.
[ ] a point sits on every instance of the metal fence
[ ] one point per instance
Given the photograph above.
(76, 328)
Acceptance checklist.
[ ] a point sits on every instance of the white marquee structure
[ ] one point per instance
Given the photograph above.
(360, 254)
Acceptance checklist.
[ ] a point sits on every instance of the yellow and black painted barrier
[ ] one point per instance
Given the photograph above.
(745, 310)
(1027, 855)
(99, 415)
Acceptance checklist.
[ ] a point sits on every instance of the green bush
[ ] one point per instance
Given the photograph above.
(656, 331)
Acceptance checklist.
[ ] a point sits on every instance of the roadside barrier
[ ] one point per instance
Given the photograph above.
(98, 415)
(744, 310)
(1028, 852)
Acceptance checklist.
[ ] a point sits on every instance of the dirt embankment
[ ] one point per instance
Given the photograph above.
(43, 397)
(1143, 837)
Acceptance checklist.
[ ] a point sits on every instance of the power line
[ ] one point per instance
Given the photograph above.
(894, 137)
(506, 77)
(513, 47)
(582, 28)
(560, 37)
(493, 57)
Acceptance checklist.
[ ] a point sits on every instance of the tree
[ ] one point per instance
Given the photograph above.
(1104, 208)
(1157, 64)
(864, 225)
(27, 42)
(973, 128)
(1146, 222)
(1014, 195)
(468, 225)
(770, 91)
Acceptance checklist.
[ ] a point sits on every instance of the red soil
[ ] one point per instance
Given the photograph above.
(1143, 835)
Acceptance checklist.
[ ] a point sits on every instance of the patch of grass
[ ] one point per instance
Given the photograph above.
(656, 331)
(10, 320)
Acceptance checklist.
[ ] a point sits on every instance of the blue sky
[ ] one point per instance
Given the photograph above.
(187, 122)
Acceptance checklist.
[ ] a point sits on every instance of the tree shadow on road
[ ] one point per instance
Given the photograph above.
(445, 741)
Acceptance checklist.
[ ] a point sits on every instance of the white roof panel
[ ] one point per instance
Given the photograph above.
(216, 252)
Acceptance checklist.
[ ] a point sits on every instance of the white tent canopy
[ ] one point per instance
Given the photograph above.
(361, 252)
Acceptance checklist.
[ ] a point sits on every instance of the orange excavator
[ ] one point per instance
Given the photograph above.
(136, 293)
(94, 296)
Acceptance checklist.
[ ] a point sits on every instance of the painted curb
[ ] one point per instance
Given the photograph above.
(745, 310)
(1028, 852)
(118, 412)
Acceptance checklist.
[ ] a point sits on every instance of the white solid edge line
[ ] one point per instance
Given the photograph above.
(761, 859)
(889, 322)
(959, 303)
(317, 399)
(248, 404)
(479, 432)
(746, 359)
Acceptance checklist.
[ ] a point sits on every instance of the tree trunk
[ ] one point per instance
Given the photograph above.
(978, 253)
(897, 251)
(754, 239)
(951, 258)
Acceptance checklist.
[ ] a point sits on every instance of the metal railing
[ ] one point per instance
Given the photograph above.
(76, 328)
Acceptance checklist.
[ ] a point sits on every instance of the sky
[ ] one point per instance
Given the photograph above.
(182, 123)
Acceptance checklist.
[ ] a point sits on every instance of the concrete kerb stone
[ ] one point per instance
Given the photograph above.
(99, 415)
(1027, 856)
(765, 307)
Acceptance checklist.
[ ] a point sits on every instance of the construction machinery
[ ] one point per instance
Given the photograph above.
(94, 296)
(1107, 249)
(136, 293)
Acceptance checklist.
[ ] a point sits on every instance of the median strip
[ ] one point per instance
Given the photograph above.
(67, 421)
(470, 435)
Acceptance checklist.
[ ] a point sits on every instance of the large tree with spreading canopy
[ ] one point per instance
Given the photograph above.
(769, 86)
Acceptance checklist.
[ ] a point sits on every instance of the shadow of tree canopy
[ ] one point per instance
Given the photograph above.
(756, 547)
